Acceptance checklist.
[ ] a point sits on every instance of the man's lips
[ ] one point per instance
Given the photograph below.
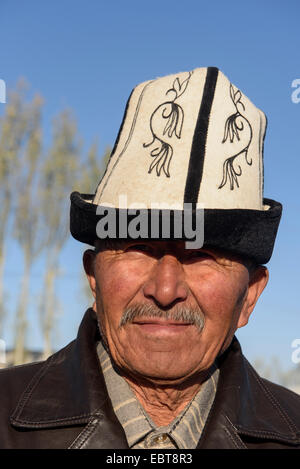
(162, 322)
(157, 325)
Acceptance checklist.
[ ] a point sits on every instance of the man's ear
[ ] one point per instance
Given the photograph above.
(258, 280)
(89, 264)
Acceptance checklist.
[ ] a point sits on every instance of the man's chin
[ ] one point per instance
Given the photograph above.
(170, 369)
(168, 379)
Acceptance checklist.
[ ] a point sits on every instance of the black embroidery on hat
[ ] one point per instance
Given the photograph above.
(170, 116)
(234, 125)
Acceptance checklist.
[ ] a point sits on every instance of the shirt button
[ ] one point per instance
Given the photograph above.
(160, 439)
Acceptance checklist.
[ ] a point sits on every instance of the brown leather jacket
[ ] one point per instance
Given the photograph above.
(63, 403)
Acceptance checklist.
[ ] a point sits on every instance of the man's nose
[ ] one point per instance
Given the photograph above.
(166, 284)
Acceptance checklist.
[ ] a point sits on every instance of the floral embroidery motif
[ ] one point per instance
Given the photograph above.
(166, 122)
(235, 125)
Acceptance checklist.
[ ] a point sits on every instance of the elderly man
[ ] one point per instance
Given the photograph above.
(180, 231)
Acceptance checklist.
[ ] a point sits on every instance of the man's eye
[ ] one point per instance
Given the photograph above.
(194, 254)
(139, 247)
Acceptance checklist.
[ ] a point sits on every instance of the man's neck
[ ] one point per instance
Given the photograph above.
(163, 403)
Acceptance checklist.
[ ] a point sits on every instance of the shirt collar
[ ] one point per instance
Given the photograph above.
(185, 430)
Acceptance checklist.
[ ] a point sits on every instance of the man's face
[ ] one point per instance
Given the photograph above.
(170, 280)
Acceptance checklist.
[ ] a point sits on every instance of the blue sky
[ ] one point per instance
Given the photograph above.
(89, 55)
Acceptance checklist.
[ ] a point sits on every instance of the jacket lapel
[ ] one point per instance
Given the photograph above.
(102, 432)
(69, 390)
(244, 407)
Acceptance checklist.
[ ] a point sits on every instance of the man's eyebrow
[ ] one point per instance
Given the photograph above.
(102, 245)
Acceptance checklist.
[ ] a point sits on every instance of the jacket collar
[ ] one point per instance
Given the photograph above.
(245, 406)
(69, 389)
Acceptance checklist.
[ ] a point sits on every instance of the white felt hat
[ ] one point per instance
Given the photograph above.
(189, 138)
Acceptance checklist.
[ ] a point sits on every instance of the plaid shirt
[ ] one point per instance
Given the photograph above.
(183, 432)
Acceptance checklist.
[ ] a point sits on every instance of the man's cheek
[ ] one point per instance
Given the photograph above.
(210, 295)
(112, 285)
(124, 288)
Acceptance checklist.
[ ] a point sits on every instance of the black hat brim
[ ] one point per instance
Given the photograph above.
(244, 232)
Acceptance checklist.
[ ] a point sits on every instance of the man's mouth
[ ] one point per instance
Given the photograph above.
(148, 316)
(159, 325)
(163, 322)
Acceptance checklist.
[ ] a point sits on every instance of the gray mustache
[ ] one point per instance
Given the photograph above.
(179, 313)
